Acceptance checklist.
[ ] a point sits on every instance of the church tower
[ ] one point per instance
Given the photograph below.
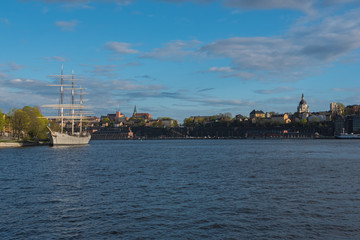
(135, 111)
(303, 108)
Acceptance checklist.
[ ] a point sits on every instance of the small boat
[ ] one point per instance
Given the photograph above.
(344, 135)
(62, 137)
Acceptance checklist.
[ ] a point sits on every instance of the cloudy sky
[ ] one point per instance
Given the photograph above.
(178, 58)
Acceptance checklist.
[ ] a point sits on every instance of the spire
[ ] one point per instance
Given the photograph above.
(135, 111)
(302, 97)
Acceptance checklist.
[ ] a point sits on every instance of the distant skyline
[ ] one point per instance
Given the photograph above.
(178, 58)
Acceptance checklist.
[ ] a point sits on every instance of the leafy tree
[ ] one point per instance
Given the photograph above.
(20, 122)
(315, 119)
(2, 121)
(201, 120)
(156, 124)
(37, 128)
(141, 123)
(189, 122)
(340, 108)
(174, 124)
(27, 122)
(227, 115)
(303, 122)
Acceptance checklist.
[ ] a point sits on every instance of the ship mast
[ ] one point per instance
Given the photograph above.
(62, 100)
(72, 104)
(81, 102)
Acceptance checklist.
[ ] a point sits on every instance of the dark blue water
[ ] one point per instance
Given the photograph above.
(182, 189)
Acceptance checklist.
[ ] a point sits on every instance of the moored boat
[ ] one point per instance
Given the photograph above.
(348, 136)
(62, 137)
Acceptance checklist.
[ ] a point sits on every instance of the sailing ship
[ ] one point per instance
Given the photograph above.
(63, 137)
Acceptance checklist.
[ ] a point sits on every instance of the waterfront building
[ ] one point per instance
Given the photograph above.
(352, 124)
(339, 124)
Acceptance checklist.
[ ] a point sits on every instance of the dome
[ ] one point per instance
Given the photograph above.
(302, 102)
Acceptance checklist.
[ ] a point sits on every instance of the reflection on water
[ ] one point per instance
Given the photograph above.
(182, 189)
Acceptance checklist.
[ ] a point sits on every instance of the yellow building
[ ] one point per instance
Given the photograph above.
(257, 114)
(282, 118)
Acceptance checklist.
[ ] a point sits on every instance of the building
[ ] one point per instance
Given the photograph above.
(120, 118)
(146, 116)
(321, 116)
(136, 115)
(241, 118)
(352, 124)
(303, 108)
(281, 118)
(168, 123)
(339, 124)
(257, 114)
(353, 109)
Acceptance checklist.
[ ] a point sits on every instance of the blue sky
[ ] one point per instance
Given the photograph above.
(178, 58)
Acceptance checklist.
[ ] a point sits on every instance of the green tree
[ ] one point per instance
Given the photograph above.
(201, 121)
(141, 123)
(303, 122)
(189, 122)
(37, 127)
(20, 123)
(2, 121)
(340, 108)
(227, 116)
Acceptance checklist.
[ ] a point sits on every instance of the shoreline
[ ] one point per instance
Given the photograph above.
(11, 144)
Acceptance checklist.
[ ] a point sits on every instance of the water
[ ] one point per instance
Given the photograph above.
(182, 189)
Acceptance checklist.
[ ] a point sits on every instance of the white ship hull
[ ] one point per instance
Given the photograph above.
(348, 136)
(57, 138)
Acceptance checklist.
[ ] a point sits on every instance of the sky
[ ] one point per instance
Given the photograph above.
(181, 58)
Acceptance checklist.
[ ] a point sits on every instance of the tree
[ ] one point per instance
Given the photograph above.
(28, 122)
(2, 121)
(303, 121)
(227, 115)
(37, 128)
(141, 123)
(189, 122)
(21, 122)
(340, 108)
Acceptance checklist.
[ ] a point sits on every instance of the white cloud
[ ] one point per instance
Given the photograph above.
(221, 69)
(11, 67)
(274, 90)
(307, 47)
(67, 25)
(57, 59)
(16, 80)
(303, 5)
(174, 50)
(120, 48)
(131, 86)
